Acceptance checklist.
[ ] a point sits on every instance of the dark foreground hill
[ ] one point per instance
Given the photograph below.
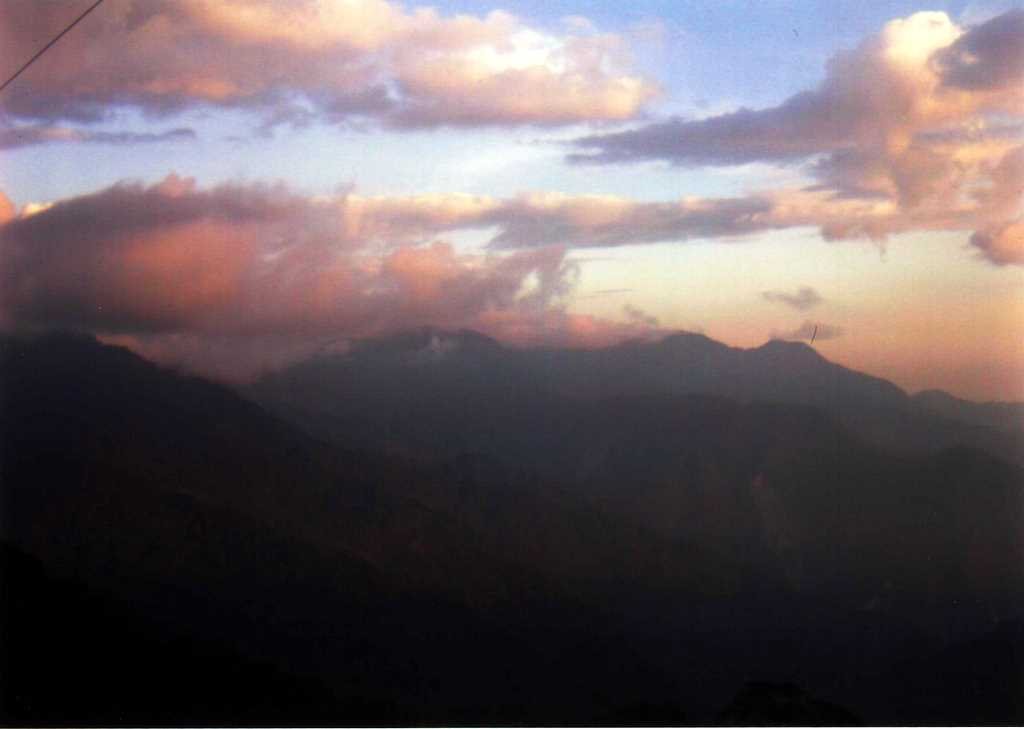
(181, 556)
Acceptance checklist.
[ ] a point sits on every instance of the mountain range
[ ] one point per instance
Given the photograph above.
(435, 528)
(436, 366)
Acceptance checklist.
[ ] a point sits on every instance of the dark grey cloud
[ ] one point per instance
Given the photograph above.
(990, 55)
(12, 137)
(604, 292)
(803, 299)
(595, 221)
(798, 128)
(639, 316)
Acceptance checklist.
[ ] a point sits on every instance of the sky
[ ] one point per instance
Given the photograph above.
(230, 186)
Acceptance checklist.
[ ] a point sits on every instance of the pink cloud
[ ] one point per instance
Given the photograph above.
(6, 208)
(172, 268)
(1003, 243)
(289, 61)
(173, 265)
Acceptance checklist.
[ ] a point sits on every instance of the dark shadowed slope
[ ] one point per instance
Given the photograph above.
(424, 595)
(71, 654)
(559, 558)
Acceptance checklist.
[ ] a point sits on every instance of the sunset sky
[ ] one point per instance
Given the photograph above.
(228, 186)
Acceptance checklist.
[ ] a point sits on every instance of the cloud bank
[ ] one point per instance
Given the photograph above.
(924, 119)
(259, 262)
(916, 129)
(298, 60)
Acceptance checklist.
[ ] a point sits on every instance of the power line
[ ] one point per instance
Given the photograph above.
(47, 47)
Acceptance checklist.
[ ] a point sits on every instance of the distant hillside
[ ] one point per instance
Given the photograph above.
(1002, 415)
(776, 464)
(443, 370)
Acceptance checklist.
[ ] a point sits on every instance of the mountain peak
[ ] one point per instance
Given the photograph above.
(789, 352)
(787, 345)
(691, 340)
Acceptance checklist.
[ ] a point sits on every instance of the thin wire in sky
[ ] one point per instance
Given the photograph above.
(47, 47)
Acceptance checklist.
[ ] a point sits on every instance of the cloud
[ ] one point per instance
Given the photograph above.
(639, 316)
(294, 62)
(923, 118)
(6, 208)
(990, 56)
(805, 298)
(25, 135)
(261, 261)
(349, 222)
(246, 357)
(1002, 243)
(596, 220)
(581, 221)
(897, 137)
(172, 266)
(249, 258)
(904, 80)
(604, 292)
(811, 330)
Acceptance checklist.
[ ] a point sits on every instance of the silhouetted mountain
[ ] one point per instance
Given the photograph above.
(552, 550)
(370, 387)
(770, 477)
(686, 363)
(1002, 415)
(427, 595)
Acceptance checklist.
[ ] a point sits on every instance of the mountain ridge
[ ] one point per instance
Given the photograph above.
(682, 363)
(442, 340)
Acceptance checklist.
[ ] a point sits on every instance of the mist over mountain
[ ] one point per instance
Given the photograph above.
(434, 528)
